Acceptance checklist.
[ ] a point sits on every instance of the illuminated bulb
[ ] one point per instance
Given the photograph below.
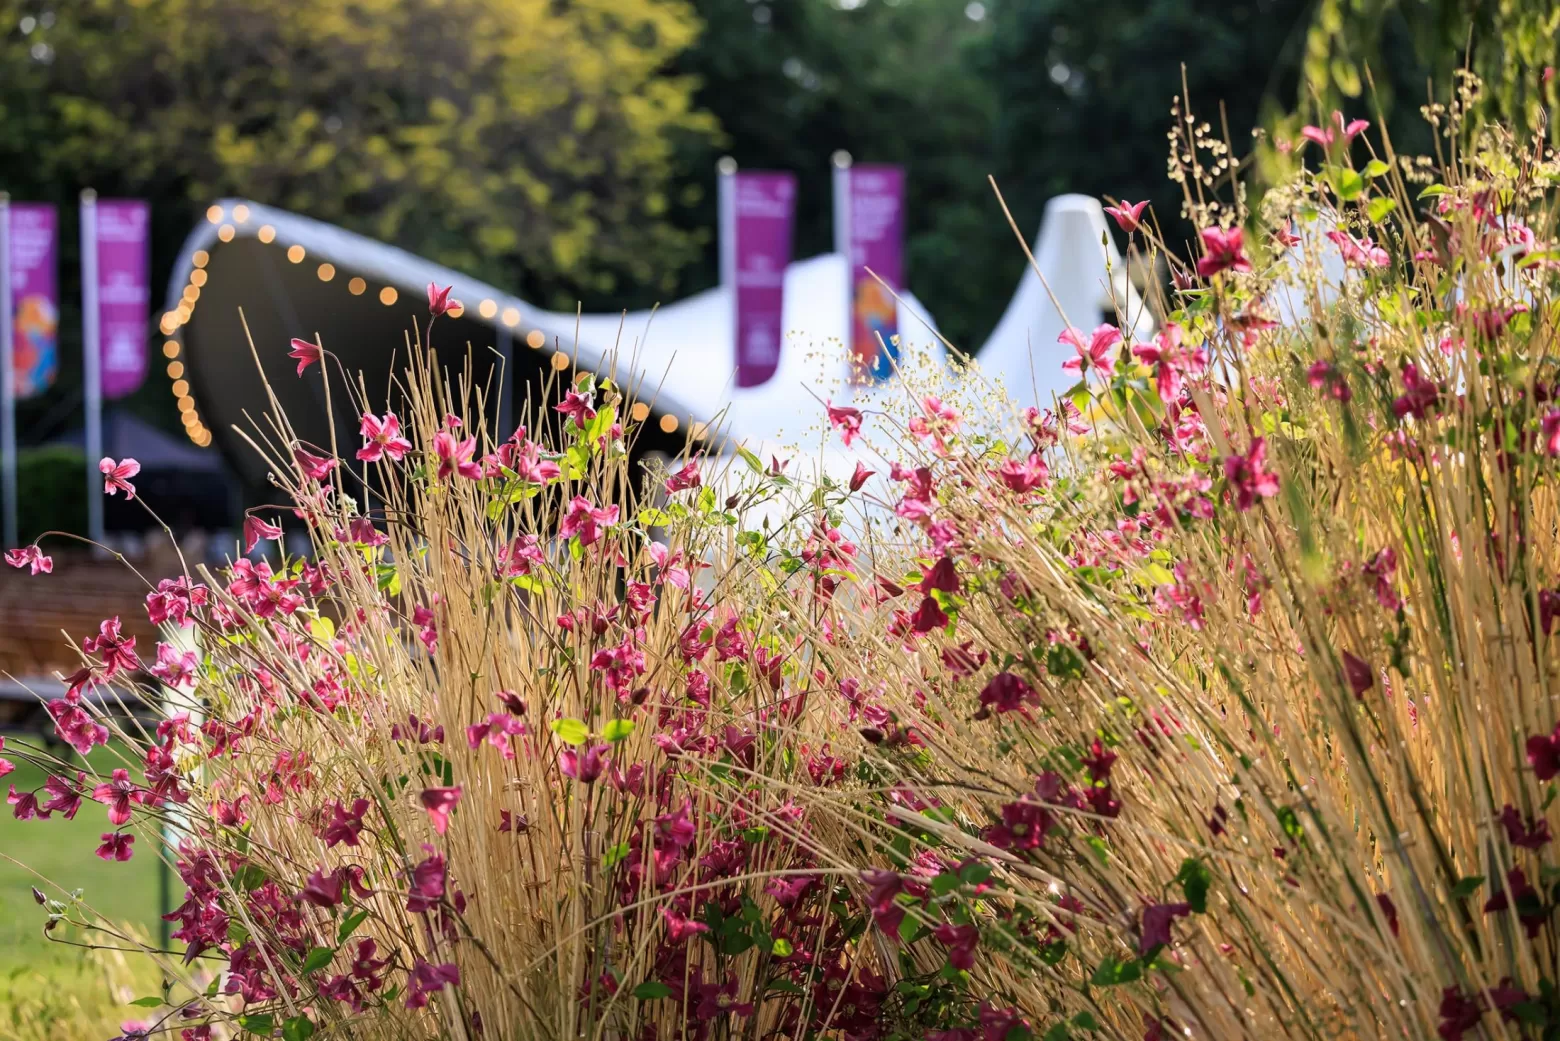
(698, 430)
(170, 347)
(214, 214)
(189, 419)
(669, 424)
(170, 322)
(327, 272)
(356, 286)
(175, 369)
(295, 254)
(191, 294)
(185, 399)
(456, 309)
(266, 234)
(639, 412)
(198, 277)
(225, 233)
(535, 339)
(488, 308)
(560, 361)
(181, 388)
(181, 315)
(200, 258)
(241, 213)
(511, 316)
(387, 295)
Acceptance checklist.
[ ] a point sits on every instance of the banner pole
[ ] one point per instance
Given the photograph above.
(7, 380)
(92, 363)
(726, 231)
(842, 162)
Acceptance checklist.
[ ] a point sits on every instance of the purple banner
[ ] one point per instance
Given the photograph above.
(35, 300)
(877, 241)
(764, 205)
(124, 293)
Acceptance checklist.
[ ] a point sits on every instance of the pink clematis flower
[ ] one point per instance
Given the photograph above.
(860, 477)
(314, 467)
(1095, 354)
(307, 353)
(1156, 925)
(177, 670)
(439, 301)
(344, 825)
(382, 437)
(1551, 431)
(427, 883)
(586, 521)
(846, 420)
(1326, 136)
(578, 407)
(1172, 360)
(1128, 216)
(427, 980)
(116, 846)
(1360, 253)
(456, 456)
(6, 766)
(1224, 252)
(116, 476)
(1248, 476)
(256, 529)
(584, 767)
(439, 802)
(687, 477)
(30, 557)
(118, 652)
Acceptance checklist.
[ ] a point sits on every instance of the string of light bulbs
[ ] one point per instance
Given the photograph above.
(228, 226)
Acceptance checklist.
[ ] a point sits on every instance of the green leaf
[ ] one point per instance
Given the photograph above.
(151, 1002)
(781, 948)
(298, 1028)
(349, 925)
(1379, 207)
(974, 874)
(1112, 972)
(945, 883)
(318, 958)
(1347, 183)
(612, 856)
(1466, 887)
(652, 990)
(1059, 1032)
(1434, 190)
(1085, 1021)
(1195, 878)
(651, 517)
(1375, 168)
(571, 731)
(252, 877)
(618, 729)
(259, 1024)
(753, 462)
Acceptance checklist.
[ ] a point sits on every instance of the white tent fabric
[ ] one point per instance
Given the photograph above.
(684, 351)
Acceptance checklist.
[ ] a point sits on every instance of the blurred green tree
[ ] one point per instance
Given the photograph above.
(1508, 44)
(890, 81)
(527, 141)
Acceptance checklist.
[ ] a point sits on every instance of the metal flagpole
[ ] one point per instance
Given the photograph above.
(842, 163)
(7, 380)
(92, 363)
(726, 202)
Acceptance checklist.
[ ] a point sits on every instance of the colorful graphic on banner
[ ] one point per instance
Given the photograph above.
(124, 293)
(765, 206)
(877, 242)
(35, 301)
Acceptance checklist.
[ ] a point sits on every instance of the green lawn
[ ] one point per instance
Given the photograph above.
(49, 990)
